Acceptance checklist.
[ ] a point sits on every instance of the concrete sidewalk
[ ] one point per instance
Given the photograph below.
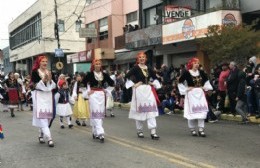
(229, 117)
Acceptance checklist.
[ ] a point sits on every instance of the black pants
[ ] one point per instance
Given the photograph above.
(223, 94)
(232, 101)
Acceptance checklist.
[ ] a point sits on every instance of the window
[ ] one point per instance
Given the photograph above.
(27, 32)
(91, 25)
(103, 35)
(130, 17)
(103, 29)
(153, 16)
(61, 25)
(103, 22)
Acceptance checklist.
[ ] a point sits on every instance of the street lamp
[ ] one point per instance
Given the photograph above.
(78, 25)
(78, 22)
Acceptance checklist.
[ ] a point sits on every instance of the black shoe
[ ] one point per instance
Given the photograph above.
(202, 134)
(12, 115)
(62, 127)
(101, 138)
(94, 136)
(194, 133)
(50, 143)
(155, 137)
(140, 134)
(41, 140)
(70, 126)
(112, 115)
(77, 122)
(83, 124)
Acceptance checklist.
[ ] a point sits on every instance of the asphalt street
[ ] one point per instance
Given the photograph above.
(228, 144)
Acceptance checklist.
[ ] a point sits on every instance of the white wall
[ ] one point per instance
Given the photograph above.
(69, 39)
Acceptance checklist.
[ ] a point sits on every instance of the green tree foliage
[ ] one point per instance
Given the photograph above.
(230, 43)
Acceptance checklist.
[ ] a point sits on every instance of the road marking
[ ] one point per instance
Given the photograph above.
(171, 157)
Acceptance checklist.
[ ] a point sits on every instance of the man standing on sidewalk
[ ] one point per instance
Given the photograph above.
(232, 84)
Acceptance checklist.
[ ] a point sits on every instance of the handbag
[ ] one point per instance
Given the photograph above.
(226, 103)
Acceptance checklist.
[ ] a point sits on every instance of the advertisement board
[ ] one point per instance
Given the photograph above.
(197, 27)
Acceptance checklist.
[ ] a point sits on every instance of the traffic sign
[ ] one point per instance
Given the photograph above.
(59, 52)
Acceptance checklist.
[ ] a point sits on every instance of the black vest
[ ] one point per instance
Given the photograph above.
(64, 96)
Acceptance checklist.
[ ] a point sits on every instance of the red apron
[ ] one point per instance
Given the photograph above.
(13, 96)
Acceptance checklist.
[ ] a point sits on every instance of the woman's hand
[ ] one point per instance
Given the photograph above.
(138, 84)
(49, 76)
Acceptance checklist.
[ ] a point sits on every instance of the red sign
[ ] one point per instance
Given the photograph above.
(173, 13)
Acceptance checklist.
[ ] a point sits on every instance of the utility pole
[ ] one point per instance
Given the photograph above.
(56, 25)
(59, 64)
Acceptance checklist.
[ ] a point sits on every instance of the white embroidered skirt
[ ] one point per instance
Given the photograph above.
(195, 104)
(63, 109)
(97, 105)
(143, 104)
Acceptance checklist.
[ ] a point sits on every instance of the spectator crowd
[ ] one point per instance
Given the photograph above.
(235, 89)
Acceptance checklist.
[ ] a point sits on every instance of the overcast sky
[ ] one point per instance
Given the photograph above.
(9, 10)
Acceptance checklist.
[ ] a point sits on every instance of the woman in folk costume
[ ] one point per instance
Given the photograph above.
(192, 84)
(42, 86)
(97, 97)
(21, 91)
(144, 97)
(12, 88)
(63, 99)
(80, 95)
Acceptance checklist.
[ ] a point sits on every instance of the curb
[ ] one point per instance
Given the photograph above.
(229, 117)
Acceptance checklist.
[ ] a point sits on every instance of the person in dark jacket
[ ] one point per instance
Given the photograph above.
(232, 84)
(241, 106)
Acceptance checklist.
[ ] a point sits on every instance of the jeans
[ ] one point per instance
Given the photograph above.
(211, 115)
(257, 97)
(241, 109)
(168, 103)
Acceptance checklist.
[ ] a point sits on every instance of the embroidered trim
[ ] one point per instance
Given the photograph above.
(199, 108)
(97, 115)
(45, 114)
(147, 108)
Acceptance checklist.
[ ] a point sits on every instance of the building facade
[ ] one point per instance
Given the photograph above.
(8, 66)
(169, 28)
(109, 19)
(36, 30)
